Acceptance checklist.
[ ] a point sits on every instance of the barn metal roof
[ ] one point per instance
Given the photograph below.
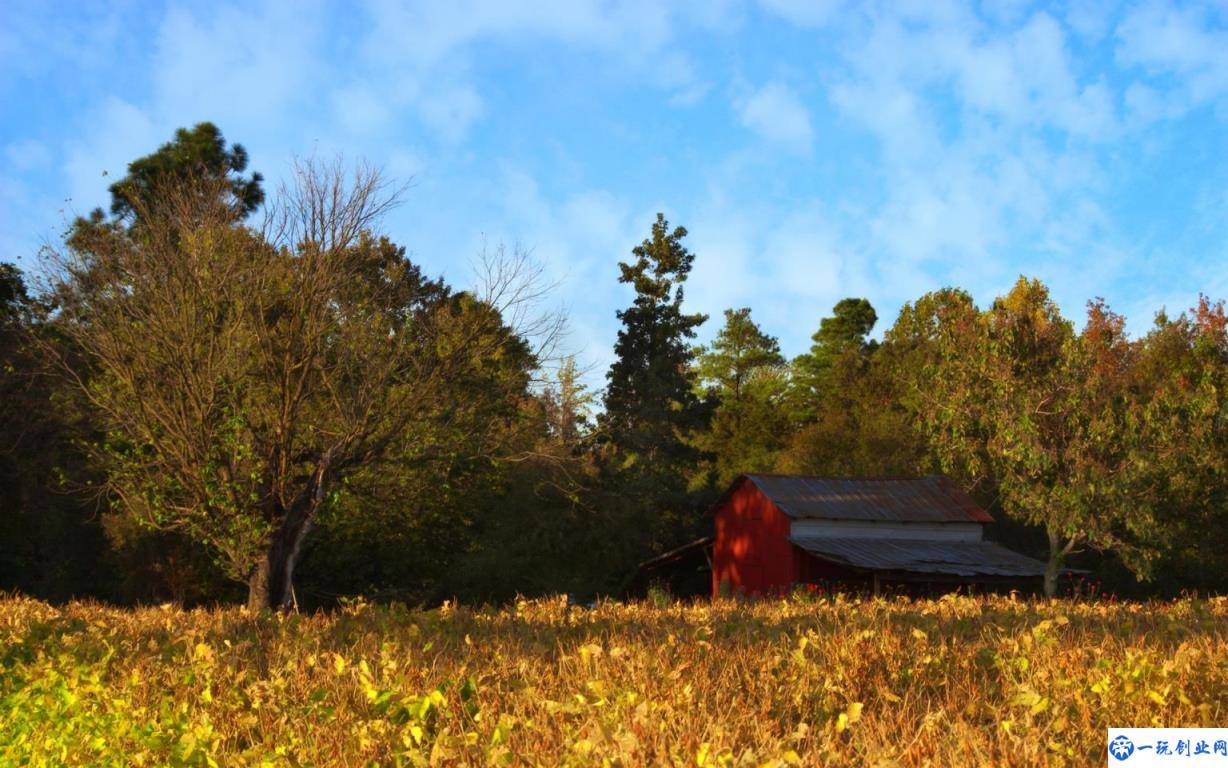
(899, 499)
(958, 558)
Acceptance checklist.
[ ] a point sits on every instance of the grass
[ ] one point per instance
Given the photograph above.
(842, 682)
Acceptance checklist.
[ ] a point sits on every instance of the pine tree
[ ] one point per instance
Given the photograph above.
(650, 401)
(743, 372)
(199, 153)
(738, 351)
(842, 340)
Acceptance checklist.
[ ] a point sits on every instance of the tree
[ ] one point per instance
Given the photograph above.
(567, 403)
(1178, 423)
(244, 376)
(199, 153)
(17, 313)
(743, 372)
(850, 324)
(932, 354)
(51, 543)
(843, 335)
(650, 400)
(1020, 401)
(738, 351)
(862, 429)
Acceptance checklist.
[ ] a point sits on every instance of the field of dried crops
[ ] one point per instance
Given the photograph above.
(958, 681)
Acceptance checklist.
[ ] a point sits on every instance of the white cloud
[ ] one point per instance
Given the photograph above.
(360, 110)
(808, 13)
(578, 240)
(202, 69)
(450, 111)
(1005, 11)
(1023, 77)
(971, 141)
(413, 44)
(1186, 44)
(27, 155)
(791, 267)
(409, 65)
(989, 134)
(1091, 19)
(777, 114)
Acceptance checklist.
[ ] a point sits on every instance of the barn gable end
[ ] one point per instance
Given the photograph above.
(752, 552)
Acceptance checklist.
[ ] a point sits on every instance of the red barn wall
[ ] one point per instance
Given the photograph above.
(752, 552)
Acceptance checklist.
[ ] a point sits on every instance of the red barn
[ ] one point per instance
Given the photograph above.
(776, 531)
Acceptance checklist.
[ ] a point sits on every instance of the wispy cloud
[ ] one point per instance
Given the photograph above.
(777, 114)
(1184, 45)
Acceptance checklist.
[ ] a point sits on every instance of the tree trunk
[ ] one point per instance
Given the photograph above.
(272, 580)
(1057, 558)
(258, 587)
(271, 584)
(1053, 569)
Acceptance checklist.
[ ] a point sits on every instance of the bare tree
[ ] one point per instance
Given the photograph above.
(243, 373)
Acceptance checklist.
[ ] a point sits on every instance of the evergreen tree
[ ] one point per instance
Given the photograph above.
(743, 372)
(650, 402)
(738, 351)
(199, 154)
(843, 335)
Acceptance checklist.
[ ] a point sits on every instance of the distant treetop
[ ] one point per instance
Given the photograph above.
(200, 151)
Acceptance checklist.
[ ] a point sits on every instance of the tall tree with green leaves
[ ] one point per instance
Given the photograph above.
(861, 429)
(937, 339)
(842, 339)
(246, 378)
(1022, 403)
(650, 401)
(1179, 422)
(743, 372)
(739, 350)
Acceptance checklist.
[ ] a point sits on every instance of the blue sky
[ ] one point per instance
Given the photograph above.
(814, 150)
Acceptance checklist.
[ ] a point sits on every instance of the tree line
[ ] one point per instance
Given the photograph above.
(216, 393)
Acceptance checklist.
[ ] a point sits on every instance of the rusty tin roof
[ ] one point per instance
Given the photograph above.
(890, 499)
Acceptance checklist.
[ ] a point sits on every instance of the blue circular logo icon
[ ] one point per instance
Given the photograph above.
(1121, 747)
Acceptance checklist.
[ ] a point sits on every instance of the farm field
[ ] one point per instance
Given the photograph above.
(842, 682)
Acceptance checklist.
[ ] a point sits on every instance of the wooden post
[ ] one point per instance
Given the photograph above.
(877, 586)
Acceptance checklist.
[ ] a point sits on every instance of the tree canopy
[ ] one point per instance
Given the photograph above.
(743, 374)
(842, 339)
(199, 154)
(297, 357)
(195, 401)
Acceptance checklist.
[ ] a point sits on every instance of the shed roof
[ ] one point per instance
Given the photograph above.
(895, 499)
(957, 558)
(678, 552)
